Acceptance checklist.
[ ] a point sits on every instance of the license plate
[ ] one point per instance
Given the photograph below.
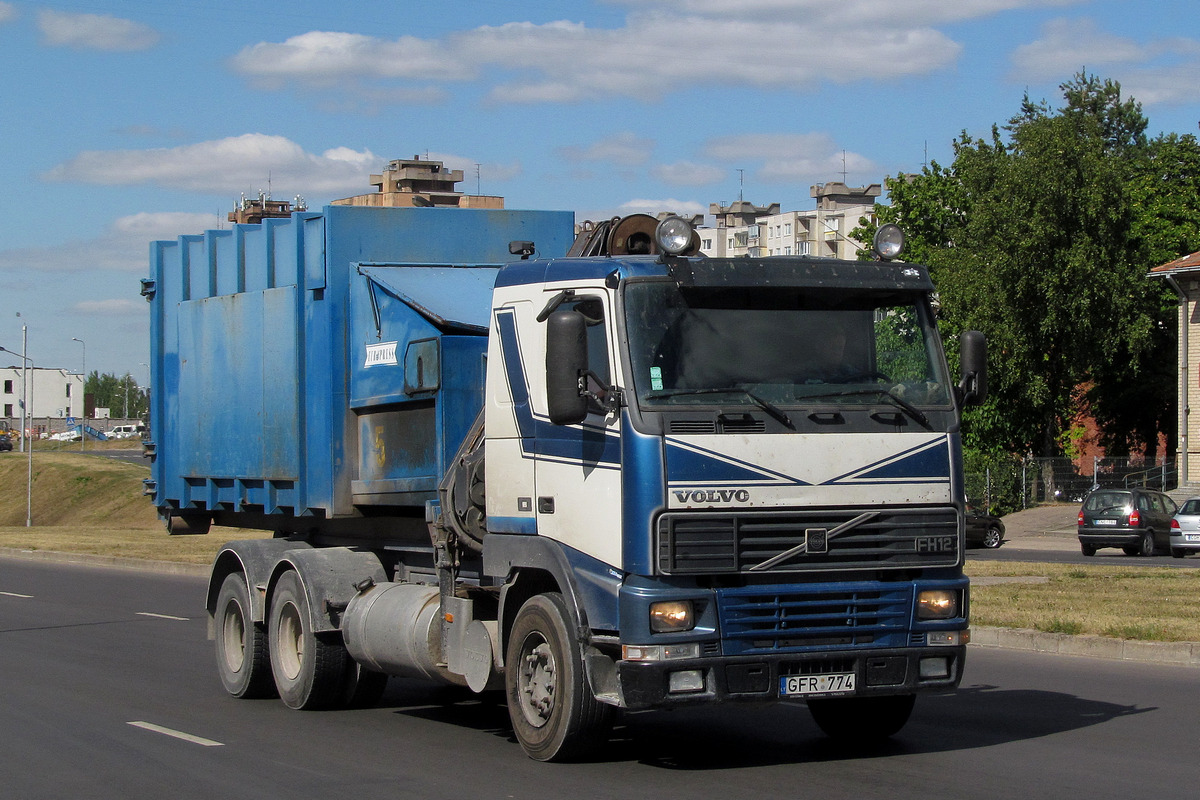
(1106, 522)
(833, 683)
(1192, 537)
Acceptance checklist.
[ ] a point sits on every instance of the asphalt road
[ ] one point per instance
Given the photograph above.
(109, 692)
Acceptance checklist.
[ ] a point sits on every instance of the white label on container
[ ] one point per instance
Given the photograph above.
(381, 354)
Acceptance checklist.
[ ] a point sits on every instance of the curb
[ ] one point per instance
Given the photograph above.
(1180, 654)
(114, 562)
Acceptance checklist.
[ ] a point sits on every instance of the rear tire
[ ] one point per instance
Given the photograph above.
(309, 669)
(554, 714)
(1147, 548)
(1087, 549)
(862, 719)
(243, 662)
(1176, 552)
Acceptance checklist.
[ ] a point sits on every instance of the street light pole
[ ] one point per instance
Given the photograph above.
(83, 397)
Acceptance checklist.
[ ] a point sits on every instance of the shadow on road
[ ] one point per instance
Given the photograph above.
(735, 737)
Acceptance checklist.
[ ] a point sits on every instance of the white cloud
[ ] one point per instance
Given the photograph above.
(1161, 71)
(687, 173)
(883, 13)
(624, 149)
(789, 156)
(655, 207)
(227, 166)
(7, 12)
(95, 32)
(124, 247)
(1067, 45)
(653, 54)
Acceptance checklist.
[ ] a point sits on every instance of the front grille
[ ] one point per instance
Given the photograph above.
(834, 616)
(702, 542)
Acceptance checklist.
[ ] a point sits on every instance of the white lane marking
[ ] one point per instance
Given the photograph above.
(187, 737)
(14, 594)
(161, 616)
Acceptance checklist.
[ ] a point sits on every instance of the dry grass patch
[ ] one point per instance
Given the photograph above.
(94, 505)
(1145, 603)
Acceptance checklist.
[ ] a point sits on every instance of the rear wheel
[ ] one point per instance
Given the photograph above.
(1147, 548)
(241, 643)
(554, 714)
(862, 719)
(1176, 552)
(1087, 549)
(309, 669)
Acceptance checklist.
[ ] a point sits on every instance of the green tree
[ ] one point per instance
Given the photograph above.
(109, 391)
(1035, 236)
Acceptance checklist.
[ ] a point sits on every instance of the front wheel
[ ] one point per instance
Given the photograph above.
(862, 719)
(309, 669)
(554, 714)
(992, 538)
(241, 643)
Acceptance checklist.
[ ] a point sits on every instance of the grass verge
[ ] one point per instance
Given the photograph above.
(1160, 604)
(87, 503)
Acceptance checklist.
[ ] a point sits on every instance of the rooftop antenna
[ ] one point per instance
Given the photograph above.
(843, 166)
(741, 183)
(925, 163)
(477, 187)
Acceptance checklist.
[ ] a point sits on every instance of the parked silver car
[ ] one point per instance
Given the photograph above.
(1185, 528)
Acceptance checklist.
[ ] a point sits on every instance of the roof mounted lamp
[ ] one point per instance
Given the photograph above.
(888, 243)
(674, 236)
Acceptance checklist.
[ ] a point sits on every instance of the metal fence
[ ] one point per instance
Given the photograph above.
(1005, 485)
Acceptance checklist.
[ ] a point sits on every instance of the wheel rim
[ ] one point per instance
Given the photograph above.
(1147, 544)
(536, 681)
(290, 649)
(992, 538)
(233, 631)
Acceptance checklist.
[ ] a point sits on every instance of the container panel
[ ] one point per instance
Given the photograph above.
(228, 265)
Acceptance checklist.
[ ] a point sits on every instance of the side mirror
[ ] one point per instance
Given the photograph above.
(566, 363)
(972, 389)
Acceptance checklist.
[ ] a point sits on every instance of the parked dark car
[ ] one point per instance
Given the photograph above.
(5, 444)
(1136, 520)
(984, 530)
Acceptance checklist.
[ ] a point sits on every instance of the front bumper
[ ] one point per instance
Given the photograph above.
(757, 678)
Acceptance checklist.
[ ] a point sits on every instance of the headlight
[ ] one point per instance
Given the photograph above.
(937, 604)
(673, 235)
(889, 242)
(672, 616)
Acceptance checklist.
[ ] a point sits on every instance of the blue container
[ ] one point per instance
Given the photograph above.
(315, 365)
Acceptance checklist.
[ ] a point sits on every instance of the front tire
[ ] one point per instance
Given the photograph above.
(554, 714)
(992, 538)
(862, 719)
(309, 669)
(241, 644)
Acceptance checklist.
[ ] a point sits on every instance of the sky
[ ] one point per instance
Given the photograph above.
(126, 122)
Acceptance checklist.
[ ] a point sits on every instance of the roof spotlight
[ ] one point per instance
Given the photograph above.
(673, 235)
(889, 242)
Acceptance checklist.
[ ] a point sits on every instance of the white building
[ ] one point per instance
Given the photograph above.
(743, 229)
(54, 393)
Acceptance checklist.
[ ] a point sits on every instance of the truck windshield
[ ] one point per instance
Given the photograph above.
(781, 346)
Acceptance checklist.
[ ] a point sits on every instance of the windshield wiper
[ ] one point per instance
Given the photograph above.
(900, 403)
(765, 405)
